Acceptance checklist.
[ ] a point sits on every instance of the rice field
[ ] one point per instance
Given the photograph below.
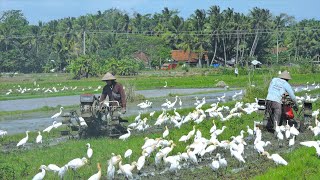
(303, 163)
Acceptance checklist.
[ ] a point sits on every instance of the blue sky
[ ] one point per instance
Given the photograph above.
(46, 10)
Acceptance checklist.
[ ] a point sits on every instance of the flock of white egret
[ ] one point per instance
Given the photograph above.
(197, 147)
(53, 89)
(161, 147)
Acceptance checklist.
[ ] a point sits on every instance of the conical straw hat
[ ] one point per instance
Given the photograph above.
(285, 75)
(108, 76)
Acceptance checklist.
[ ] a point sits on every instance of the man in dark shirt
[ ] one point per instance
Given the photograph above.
(114, 91)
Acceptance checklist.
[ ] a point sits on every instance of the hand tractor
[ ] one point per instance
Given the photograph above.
(303, 116)
(95, 119)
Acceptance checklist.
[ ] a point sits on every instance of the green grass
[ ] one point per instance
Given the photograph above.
(303, 165)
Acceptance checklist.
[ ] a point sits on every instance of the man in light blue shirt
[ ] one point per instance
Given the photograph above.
(277, 88)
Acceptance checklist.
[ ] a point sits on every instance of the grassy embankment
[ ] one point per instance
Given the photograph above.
(23, 163)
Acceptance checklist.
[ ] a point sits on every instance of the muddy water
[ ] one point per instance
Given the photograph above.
(29, 104)
(40, 121)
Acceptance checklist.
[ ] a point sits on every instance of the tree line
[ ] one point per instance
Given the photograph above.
(90, 44)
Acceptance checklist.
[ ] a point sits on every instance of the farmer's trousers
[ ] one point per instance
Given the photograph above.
(273, 114)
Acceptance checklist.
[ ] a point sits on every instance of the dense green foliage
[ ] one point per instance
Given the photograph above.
(80, 45)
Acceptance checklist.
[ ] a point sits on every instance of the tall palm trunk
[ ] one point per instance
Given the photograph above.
(254, 45)
(237, 50)
(215, 51)
(224, 50)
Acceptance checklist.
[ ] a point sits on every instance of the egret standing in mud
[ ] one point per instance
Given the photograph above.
(24, 140)
(276, 158)
(126, 136)
(57, 114)
(39, 138)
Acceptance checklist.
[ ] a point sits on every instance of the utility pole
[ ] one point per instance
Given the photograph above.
(84, 42)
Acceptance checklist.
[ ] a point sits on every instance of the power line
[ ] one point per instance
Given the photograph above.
(162, 33)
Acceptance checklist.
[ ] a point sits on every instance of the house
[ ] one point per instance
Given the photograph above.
(139, 55)
(188, 57)
(168, 66)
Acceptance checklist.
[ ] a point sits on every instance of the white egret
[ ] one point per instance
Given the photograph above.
(249, 131)
(315, 144)
(237, 155)
(115, 159)
(48, 129)
(128, 153)
(192, 156)
(259, 145)
(152, 113)
(276, 158)
(126, 136)
(150, 142)
(77, 163)
(315, 130)
(294, 131)
(165, 133)
(63, 171)
(127, 169)
(24, 140)
(57, 124)
(167, 150)
(192, 132)
(40, 175)
(184, 138)
(39, 138)
(57, 114)
(215, 165)
(310, 143)
(3, 133)
(141, 161)
(291, 141)
(137, 118)
(213, 128)
(89, 151)
(52, 167)
(222, 161)
(110, 170)
(96, 176)
(166, 84)
(219, 131)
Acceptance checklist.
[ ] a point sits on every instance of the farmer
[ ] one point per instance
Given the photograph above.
(114, 91)
(277, 88)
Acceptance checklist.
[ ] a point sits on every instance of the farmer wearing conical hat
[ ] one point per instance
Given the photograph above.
(114, 91)
(277, 88)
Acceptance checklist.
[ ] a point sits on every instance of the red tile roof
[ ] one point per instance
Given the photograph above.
(181, 55)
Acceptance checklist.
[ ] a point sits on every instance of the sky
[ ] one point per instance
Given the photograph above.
(46, 10)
